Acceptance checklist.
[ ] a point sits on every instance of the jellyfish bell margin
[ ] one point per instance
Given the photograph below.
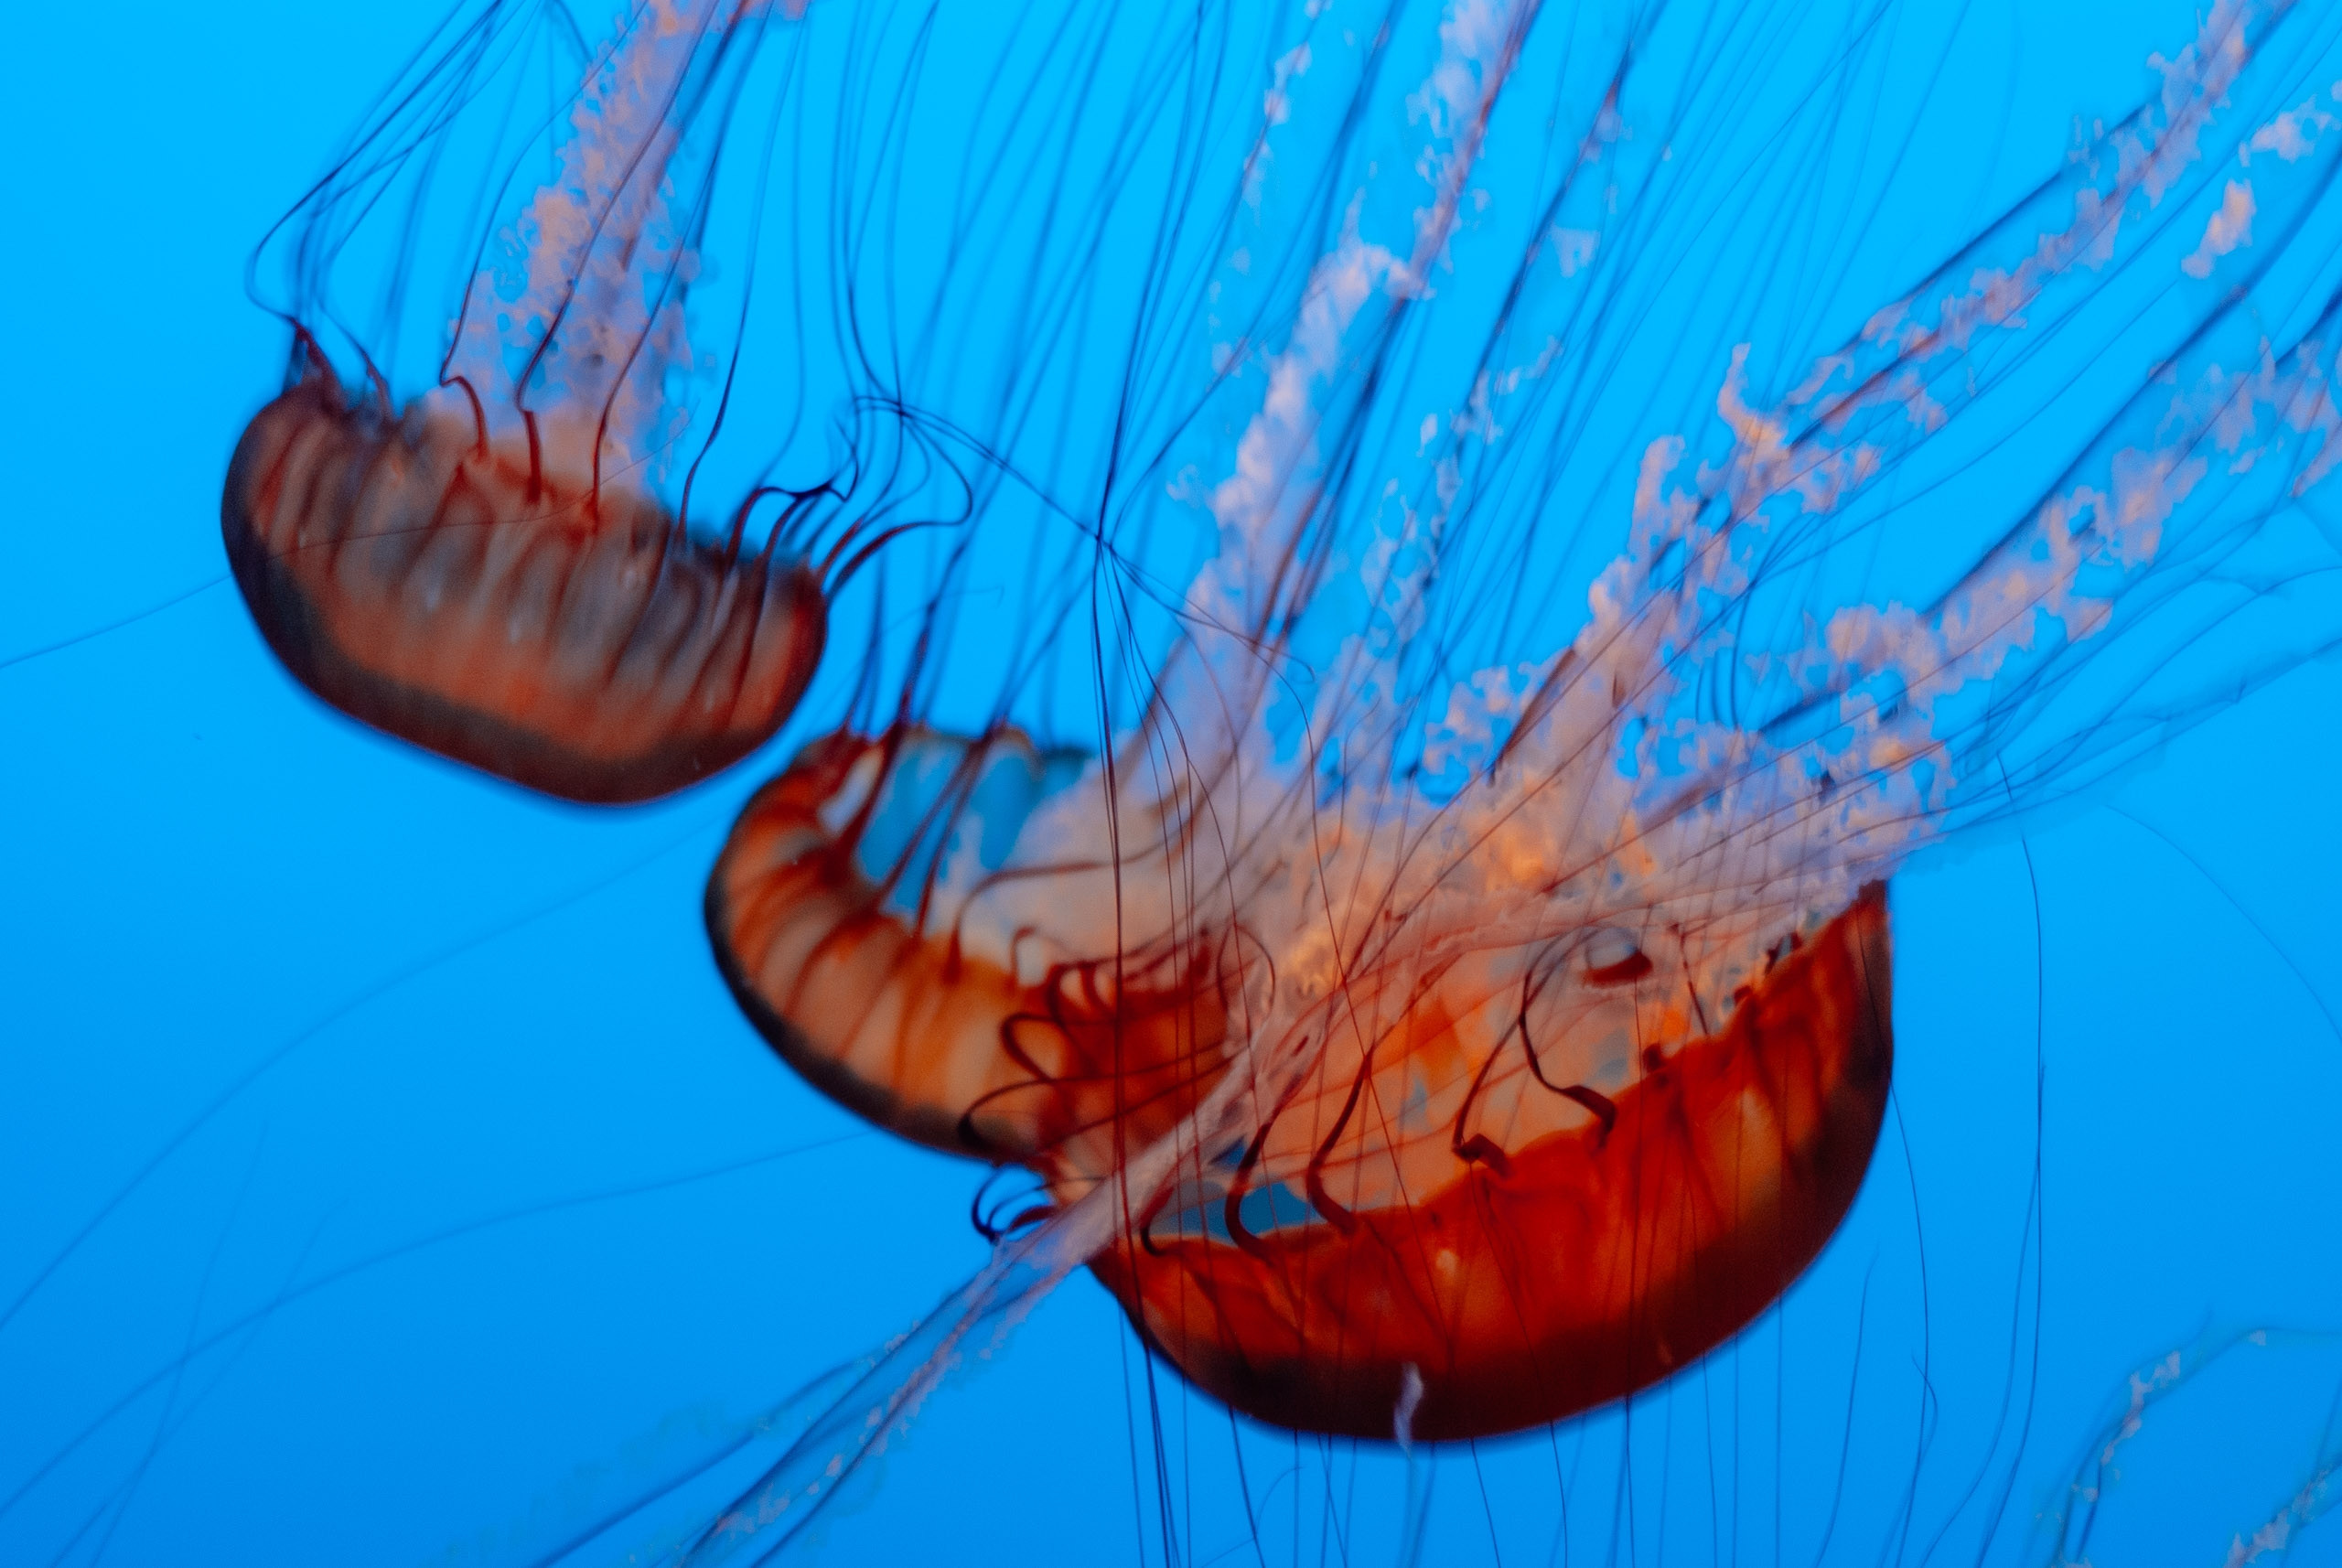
(566, 635)
(1515, 1287)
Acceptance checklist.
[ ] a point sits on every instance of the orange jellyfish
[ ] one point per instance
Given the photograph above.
(490, 573)
(1425, 1033)
(1536, 1252)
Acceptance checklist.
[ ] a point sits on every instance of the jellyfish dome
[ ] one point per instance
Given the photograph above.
(490, 572)
(1436, 1006)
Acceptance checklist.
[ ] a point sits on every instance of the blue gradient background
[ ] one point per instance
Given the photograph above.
(505, 1012)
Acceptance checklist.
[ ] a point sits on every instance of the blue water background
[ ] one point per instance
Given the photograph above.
(508, 1043)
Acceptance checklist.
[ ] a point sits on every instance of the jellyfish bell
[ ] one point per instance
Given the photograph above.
(490, 573)
(573, 640)
(1480, 1291)
(950, 1047)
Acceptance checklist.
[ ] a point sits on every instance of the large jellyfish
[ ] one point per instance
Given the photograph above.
(488, 573)
(1429, 1030)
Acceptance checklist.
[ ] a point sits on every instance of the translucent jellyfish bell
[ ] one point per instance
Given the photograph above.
(490, 573)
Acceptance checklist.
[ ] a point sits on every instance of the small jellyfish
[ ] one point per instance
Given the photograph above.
(1432, 1013)
(488, 574)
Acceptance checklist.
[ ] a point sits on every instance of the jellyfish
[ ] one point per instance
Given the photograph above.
(1480, 1291)
(1428, 1033)
(488, 573)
